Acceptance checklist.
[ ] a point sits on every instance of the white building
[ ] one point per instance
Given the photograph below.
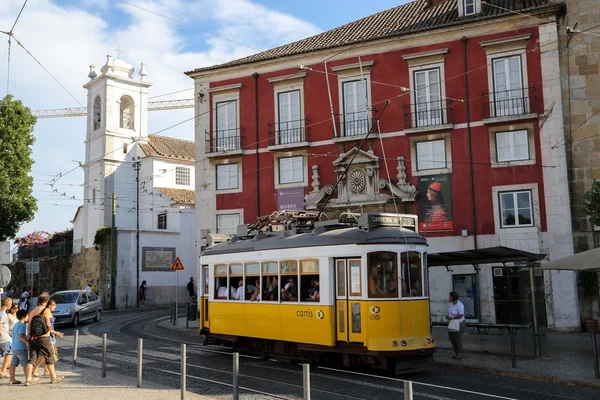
(117, 142)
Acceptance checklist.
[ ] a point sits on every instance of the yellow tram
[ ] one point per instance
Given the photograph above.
(353, 291)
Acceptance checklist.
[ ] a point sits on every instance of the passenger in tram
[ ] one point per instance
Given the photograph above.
(256, 296)
(315, 292)
(375, 283)
(290, 291)
(221, 289)
(239, 293)
(273, 289)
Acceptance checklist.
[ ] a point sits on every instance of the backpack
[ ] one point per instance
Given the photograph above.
(38, 325)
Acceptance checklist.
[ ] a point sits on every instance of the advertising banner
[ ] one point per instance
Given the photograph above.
(435, 203)
(290, 199)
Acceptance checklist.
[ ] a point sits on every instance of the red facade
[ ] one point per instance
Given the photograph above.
(388, 73)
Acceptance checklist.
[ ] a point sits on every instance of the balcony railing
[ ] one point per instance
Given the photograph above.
(224, 140)
(508, 103)
(354, 125)
(427, 114)
(289, 132)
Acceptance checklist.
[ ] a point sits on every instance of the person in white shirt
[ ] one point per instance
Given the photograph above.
(239, 293)
(456, 311)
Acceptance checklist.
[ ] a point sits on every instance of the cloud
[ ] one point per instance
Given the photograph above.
(66, 36)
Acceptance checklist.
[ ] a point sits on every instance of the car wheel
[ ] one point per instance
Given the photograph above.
(97, 317)
(75, 320)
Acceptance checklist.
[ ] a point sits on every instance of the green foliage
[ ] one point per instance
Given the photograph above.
(17, 204)
(102, 235)
(61, 236)
(592, 203)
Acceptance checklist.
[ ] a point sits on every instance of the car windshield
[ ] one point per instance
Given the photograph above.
(65, 298)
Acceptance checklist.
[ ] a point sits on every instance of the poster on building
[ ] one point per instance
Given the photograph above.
(158, 258)
(290, 199)
(435, 203)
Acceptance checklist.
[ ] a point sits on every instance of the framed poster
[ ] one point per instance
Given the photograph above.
(435, 203)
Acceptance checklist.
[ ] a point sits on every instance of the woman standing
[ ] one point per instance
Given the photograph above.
(456, 312)
(143, 288)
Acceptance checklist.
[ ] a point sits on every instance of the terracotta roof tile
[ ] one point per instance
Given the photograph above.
(171, 148)
(408, 18)
(180, 196)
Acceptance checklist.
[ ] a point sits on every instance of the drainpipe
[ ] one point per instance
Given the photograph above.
(255, 76)
(474, 214)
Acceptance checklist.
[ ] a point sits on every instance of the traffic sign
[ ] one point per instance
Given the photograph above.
(177, 265)
(32, 267)
(5, 276)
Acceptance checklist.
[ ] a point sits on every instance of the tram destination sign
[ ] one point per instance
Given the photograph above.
(375, 220)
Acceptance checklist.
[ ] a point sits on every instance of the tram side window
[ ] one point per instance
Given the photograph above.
(221, 282)
(270, 284)
(310, 288)
(289, 280)
(253, 285)
(236, 282)
(383, 274)
(412, 274)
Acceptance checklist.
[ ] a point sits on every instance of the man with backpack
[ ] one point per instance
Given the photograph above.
(39, 341)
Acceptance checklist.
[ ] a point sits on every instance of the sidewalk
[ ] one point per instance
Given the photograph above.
(89, 381)
(192, 328)
(566, 357)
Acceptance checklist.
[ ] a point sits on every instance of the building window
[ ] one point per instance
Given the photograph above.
(227, 137)
(126, 113)
(512, 146)
(291, 169)
(227, 223)
(162, 221)
(289, 124)
(356, 118)
(516, 209)
(182, 176)
(125, 148)
(509, 95)
(227, 176)
(431, 155)
(428, 98)
(469, 6)
(97, 112)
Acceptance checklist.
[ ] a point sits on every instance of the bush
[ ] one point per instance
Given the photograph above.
(102, 235)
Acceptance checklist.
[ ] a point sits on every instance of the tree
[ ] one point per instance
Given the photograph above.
(17, 204)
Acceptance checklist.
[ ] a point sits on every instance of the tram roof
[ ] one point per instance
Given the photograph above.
(318, 237)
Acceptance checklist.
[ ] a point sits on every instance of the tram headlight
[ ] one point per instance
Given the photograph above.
(429, 340)
(404, 343)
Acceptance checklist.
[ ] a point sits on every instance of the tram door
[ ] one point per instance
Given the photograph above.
(203, 306)
(347, 300)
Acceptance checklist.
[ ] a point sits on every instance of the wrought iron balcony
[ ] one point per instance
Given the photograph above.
(224, 140)
(289, 132)
(427, 114)
(354, 125)
(508, 103)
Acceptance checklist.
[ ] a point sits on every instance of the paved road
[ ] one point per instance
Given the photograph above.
(209, 369)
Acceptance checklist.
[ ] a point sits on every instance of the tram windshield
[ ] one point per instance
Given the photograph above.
(383, 274)
(384, 269)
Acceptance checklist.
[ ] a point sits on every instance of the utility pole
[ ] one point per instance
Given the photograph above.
(137, 164)
(113, 254)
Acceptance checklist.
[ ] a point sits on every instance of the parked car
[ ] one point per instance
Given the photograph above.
(75, 306)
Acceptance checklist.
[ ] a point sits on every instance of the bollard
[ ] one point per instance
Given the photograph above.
(306, 374)
(513, 356)
(183, 371)
(595, 355)
(140, 344)
(75, 344)
(408, 391)
(104, 355)
(236, 378)
(126, 301)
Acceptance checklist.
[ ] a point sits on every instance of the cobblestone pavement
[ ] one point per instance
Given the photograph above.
(209, 368)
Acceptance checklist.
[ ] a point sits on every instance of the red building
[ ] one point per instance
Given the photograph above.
(459, 106)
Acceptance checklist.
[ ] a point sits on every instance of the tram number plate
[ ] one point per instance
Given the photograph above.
(412, 247)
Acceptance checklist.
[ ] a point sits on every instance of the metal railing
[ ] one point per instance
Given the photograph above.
(427, 114)
(508, 103)
(224, 141)
(352, 126)
(288, 132)
(46, 250)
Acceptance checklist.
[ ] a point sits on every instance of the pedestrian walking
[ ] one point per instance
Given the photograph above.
(190, 288)
(19, 346)
(12, 316)
(143, 288)
(456, 324)
(50, 307)
(24, 300)
(5, 338)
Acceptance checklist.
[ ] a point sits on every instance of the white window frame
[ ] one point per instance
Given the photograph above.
(183, 174)
(429, 145)
(430, 119)
(466, 5)
(223, 213)
(228, 167)
(158, 217)
(513, 94)
(294, 180)
(515, 210)
(511, 138)
(462, 7)
(535, 213)
(223, 95)
(414, 140)
(285, 84)
(348, 73)
(357, 81)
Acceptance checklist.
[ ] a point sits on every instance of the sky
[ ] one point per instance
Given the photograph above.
(63, 37)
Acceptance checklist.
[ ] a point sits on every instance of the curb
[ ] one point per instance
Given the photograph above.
(189, 332)
(522, 375)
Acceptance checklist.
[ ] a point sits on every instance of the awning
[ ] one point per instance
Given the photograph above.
(584, 261)
(490, 255)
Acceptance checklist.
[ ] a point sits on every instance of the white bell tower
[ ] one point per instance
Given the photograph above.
(117, 118)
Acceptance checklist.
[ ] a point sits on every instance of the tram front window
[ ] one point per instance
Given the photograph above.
(412, 274)
(383, 274)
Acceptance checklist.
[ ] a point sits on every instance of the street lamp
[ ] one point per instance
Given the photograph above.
(137, 164)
